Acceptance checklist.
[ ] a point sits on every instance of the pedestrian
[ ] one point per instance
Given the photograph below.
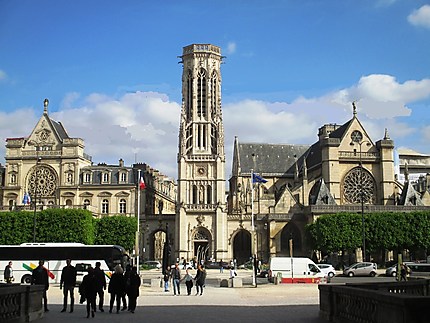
(166, 278)
(133, 284)
(123, 297)
(188, 281)
(233, 273)
(176, 278)
(99, 276)
(67, 283)
(403, 272)
(8, 273)
(200, 279)
(88, 289)
(221, 267)
(116, 288)
(39, 276)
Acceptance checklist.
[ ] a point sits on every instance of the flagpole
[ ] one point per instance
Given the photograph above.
(138, 221)
(253, 233)
(252, 200)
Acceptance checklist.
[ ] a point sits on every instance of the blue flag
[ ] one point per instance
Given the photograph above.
(26, 200)
(258, 179)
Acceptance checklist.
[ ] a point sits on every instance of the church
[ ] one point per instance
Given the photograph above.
(273, 192)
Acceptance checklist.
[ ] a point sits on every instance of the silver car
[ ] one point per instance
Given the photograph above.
(361, 269)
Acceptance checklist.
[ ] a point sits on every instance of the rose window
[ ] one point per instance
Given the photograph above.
(359, 182)
(43, 181)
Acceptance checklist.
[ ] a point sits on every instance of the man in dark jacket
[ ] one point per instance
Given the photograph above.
(68, 282)
(100, 284)
(40, 277)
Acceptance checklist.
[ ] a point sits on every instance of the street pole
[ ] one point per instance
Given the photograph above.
(35, 193)
(362, 206)
(253, 233)
(137, 251)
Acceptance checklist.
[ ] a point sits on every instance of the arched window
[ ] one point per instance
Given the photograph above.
(86, 203)
(69, 203)
(13, 179)
(105, 206)
(122, 206)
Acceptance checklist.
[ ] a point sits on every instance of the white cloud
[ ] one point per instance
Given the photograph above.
(381, 96)
(231, 48)
(420, 17)
(3, 75)
(144, 126)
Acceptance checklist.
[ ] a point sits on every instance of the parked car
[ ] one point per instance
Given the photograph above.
(152, 264)
(327, 269)
(391, 271)
(361, 269)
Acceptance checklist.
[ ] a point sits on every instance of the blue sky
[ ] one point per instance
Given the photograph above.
(110, 70)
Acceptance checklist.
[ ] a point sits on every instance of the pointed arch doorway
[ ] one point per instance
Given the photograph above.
(242, 246)
(201, 244)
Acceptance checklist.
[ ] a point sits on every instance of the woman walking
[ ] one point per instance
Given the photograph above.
(133, 285)
(116, 288)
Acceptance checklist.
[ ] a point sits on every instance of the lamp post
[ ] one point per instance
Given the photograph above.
(358, 139)
(35, 193)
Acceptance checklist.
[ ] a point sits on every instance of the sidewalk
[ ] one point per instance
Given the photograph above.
(277, 303)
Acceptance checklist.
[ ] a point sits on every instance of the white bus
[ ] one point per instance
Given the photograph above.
(295, 270)
(25, 258)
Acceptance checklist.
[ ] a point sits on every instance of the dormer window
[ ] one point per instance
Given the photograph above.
(87, 178)
(105, 177)
(123, 177)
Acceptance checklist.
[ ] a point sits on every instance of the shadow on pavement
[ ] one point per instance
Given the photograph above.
(191, 314)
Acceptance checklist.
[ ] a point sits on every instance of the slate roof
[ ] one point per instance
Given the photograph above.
(62, 133)
(274, 159)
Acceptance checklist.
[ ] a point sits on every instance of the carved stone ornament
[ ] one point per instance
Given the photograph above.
(200, 219)
(358, 185)
(42, 181)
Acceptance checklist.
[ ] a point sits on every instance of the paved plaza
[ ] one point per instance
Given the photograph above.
(267, 302)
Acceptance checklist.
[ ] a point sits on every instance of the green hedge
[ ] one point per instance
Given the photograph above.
(67, 225)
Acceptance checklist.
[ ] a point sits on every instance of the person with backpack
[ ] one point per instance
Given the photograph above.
(176, 278)
(200, 279)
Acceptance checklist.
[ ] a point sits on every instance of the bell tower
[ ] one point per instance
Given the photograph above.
(201, 218)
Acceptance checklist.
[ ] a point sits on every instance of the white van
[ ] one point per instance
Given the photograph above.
(295, 270)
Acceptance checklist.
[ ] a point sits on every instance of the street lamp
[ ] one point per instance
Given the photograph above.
(35, 193)
(357, 138)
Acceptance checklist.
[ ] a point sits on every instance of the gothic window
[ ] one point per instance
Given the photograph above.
(189, 97)
(214, 93)
(201, 94)
(194, 194)
(358, 186)
(189, 138)
(69, 178)
(122, 206)
(105, 206)
(213, 138)
(209, 194)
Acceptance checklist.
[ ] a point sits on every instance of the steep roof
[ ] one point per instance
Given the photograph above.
(273, 159)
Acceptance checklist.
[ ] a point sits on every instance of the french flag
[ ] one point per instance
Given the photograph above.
(142, 184)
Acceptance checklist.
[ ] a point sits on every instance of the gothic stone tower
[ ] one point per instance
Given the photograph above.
(201, 218)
